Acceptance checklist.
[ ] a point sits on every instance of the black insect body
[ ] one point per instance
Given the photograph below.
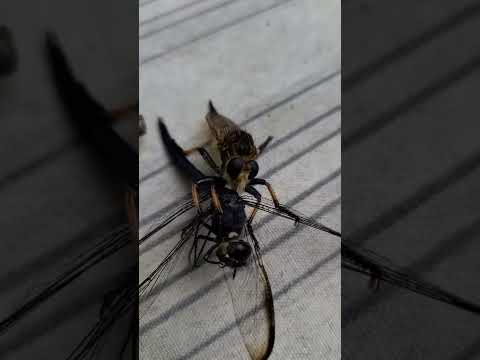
(227, 229)
(228, 222)
(223, 234)
(220, 231)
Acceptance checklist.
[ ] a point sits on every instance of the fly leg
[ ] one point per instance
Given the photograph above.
(206, 156)
(252, 191)
(195, 148)
(277, 204)
(263, 145)
(214, 180)
(215, 199)
(198, 255)
(197, 237)
(196, 198)
(209, 253)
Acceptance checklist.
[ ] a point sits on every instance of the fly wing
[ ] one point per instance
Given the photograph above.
(252, 302)
(219, 125)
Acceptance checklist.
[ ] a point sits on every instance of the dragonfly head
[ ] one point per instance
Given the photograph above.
(234, 253)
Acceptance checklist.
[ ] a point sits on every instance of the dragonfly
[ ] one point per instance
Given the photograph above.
(220, 230)
(94, 123)
(237, 151)
(231, 247)
(219, 241)
(230, 239)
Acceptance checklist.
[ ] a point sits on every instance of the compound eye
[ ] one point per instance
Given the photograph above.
(234, 167)
(253, 169)
(239, 250)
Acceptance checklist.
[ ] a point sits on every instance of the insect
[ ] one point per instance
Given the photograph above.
(238, 155)
(236, 148)
(354, 257)
(230, 239)
(202, 235)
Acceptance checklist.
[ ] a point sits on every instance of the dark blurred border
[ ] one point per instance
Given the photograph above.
(57, 186)
(411, 173)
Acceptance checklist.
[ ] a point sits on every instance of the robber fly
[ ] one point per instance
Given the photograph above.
(238, 155)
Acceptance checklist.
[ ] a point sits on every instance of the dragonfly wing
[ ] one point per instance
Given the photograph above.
(284, 211)
(153, 284)
(73, 268)
(168, 285)
(120, 303)
(126, 298)
(252, 302)
(367, 262)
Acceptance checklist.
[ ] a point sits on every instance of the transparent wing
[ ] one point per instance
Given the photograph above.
(379, 268)
(220, 126)
(75, 267)
(293, 237)
(125, 298)
(176, 297)
(369, 263)
(252, 302)
(167, 285)
(153, 284)
(117, 304)
(267, 206)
